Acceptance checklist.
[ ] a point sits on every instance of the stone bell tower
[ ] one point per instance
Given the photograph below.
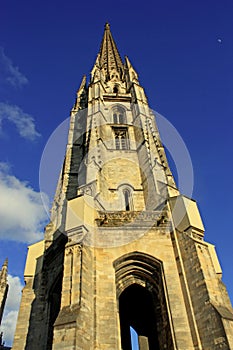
(124, 249)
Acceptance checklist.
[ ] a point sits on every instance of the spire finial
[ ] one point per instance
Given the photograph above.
(107, 26)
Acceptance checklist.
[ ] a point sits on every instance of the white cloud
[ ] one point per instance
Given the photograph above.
(22, 214)
(23, 121)
(11, 309)
(11, 73)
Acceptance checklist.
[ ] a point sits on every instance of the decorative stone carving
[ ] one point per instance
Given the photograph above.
(119, 218)
(76, 234)
(89, 189)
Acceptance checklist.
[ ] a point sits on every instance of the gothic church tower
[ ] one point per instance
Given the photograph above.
(124, 248)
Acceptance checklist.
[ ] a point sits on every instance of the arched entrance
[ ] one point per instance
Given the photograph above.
(143, 304)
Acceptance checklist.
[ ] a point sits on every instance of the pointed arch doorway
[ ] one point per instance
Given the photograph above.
(142, 302)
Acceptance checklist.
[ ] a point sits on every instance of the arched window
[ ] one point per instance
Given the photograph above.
(119, 116)
(127, 199)
(126, 195)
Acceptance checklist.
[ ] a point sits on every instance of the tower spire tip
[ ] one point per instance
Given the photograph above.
(107, 26)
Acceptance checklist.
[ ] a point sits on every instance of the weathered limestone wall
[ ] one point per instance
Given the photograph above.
(74, 327)
(210, 302)
(96, 317)
(159, 245)
(24, 315)
(39, 298)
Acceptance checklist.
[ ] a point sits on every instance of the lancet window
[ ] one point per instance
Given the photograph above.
(126, 195)
(127, 199)
(119, 116)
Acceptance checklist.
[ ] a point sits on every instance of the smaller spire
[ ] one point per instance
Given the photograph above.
(81, 98)
(83, 83)
(132, 74)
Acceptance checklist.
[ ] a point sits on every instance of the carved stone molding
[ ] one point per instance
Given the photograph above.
(89, 189)
(119, 218)
(76, 235)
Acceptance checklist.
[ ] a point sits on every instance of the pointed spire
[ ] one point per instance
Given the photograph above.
(81, 98)
(109, 57)
(132, 74)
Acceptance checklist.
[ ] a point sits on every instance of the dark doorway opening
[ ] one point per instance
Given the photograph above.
(138, 310)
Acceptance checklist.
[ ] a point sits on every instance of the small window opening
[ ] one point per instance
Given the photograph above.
(121, 119)
(126, 195)
(115, 89)
(121, 138)
(115, 118)
(119, 116)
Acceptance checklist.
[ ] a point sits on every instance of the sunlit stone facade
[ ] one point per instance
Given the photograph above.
(124, 248)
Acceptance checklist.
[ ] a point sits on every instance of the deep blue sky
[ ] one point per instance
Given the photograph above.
(183, 52)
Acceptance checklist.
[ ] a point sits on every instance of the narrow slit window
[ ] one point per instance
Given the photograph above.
(127, 198)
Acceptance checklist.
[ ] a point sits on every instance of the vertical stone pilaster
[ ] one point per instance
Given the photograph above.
(65, 325)
(67, 277)
(28, 296)
(76, 275)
